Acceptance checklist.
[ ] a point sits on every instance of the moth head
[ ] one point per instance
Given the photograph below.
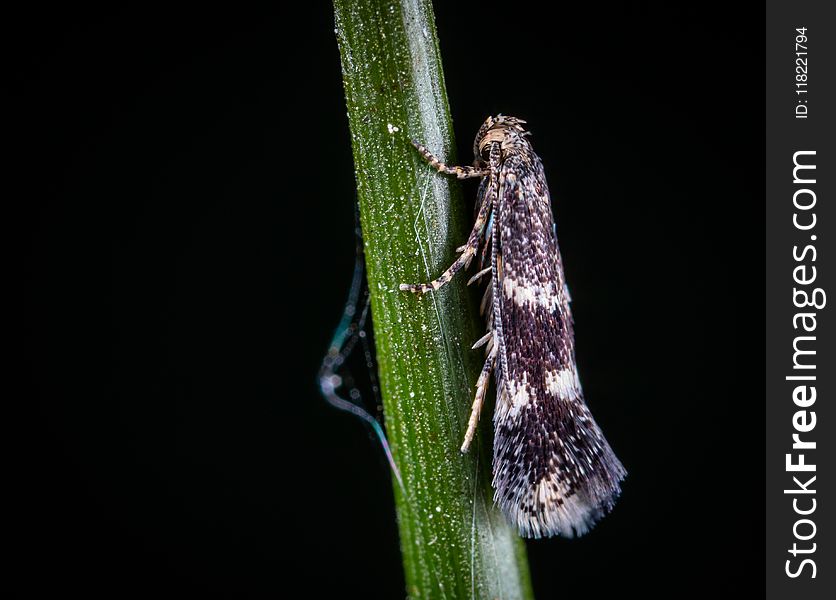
(500, 128)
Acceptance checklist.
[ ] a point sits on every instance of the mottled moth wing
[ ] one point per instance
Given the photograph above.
(554, 472)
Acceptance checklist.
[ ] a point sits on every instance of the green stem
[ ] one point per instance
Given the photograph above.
(455, 543)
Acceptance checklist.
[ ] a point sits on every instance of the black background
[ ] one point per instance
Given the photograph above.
(184, 221)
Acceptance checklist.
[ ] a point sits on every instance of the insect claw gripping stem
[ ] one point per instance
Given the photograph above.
(461, 262)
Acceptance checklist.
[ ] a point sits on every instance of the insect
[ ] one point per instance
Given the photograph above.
(553, 471)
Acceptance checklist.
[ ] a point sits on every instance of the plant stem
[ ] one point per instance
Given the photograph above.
(455, 543)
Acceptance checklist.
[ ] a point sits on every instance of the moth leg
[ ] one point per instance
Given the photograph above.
(461, 261)
(479, 275)
(460, 172)
(481, 389)
(468, 251)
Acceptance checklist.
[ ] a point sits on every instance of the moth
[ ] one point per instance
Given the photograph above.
(553, 471)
